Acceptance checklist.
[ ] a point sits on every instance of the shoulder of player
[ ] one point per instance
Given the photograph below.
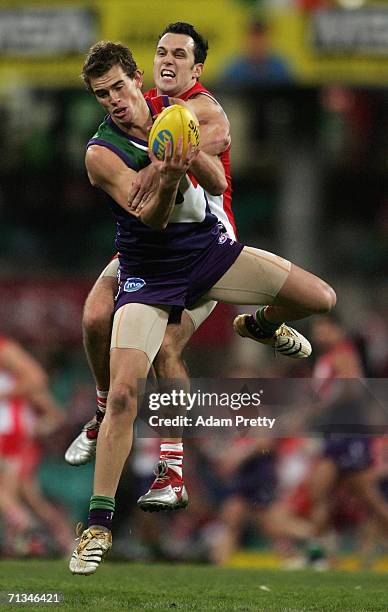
(102, 165)
(207, 110)
(203, 100)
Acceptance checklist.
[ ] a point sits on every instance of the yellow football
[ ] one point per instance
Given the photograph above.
(174, 122)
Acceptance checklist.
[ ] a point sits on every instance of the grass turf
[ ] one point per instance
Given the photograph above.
(162, 587)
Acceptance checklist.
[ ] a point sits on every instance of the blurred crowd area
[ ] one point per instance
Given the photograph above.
(309, 166)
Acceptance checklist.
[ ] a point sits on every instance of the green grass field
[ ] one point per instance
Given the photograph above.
(128, 586)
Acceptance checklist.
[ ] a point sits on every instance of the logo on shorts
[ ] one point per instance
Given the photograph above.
(133, 284)
(223, 238)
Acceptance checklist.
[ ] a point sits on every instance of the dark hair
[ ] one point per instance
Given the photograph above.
(103, 56)
(200, 43)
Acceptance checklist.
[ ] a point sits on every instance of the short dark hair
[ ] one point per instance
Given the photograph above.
(200, 43)
(103, 56)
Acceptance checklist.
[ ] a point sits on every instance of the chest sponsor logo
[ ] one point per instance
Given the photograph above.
(134, 284)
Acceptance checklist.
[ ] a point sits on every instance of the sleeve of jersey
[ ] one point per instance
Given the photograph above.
(156, 104)
(109, 145)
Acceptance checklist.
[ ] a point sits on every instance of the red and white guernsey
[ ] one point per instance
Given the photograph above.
(220, 206)
(325, 371)
(16, 416)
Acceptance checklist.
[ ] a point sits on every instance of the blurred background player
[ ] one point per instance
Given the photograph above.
(28, 412)
(248, 494)
(347, 457)
(179, 58)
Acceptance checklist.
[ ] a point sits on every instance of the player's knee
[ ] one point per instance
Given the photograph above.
(97, 317)
(324, 299)
(122, 399)
(328, 299)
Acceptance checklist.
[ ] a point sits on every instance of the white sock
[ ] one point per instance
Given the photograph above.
(172, 454)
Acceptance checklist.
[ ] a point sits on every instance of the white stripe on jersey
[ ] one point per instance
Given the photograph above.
(216, 205)
(193, 207)
(138, 145)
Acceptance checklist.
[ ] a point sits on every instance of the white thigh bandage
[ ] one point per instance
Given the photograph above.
(141, 327)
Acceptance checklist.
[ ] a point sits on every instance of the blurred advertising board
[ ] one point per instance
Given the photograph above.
(334, 44)
(43, 43)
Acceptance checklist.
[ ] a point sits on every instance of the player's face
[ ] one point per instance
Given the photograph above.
(175, 70)
(118, 94)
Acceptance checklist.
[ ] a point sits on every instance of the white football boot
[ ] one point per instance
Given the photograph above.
(285, 341)
(83, 448)
(167, 492)
(94, 544)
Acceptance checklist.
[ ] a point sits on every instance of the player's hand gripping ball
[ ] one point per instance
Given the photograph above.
(174, 122)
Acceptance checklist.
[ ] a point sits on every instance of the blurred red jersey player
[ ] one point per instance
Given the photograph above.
(27, 411)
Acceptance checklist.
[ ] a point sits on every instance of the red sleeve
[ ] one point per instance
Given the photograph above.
(3, 341)
(157, 104)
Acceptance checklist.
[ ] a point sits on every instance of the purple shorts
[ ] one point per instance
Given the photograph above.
(183, 288)
(256, 481)
(350, 454)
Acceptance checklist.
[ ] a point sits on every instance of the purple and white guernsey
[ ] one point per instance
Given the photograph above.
(174, 266)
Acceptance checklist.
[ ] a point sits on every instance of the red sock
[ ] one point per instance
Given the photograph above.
(101, 404)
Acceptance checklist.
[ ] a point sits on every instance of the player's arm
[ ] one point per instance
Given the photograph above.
(239, 455)
(210, 173)
(214, 139)
(48, 411)
(107, 171)
(31, 382)
(30, 378)
(213, 122)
